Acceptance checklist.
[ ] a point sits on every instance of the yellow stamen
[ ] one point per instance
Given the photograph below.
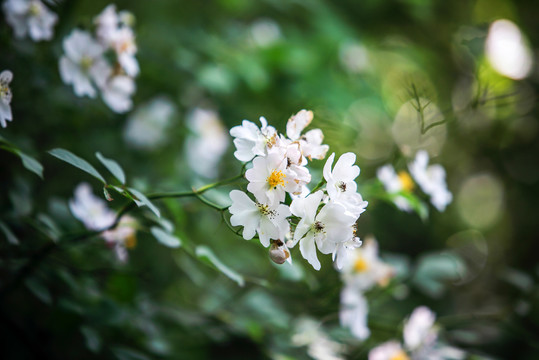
(131, 241)
(406, 181)
(401, 355)
(360, 265)
(276, 178)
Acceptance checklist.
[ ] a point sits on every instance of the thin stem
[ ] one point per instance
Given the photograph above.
(319, 185)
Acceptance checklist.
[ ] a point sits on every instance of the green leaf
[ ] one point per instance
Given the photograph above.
(141, 200)
(165, 238)
(113, 167)
(93, 340)
(205, 253)
(31, 164)
(435, 271)
(78, 162)
(11, 238)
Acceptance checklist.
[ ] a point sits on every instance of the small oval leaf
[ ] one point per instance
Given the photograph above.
(143, 200)
(112, 166)
(205, 253)
(76, 161)
(165, 238)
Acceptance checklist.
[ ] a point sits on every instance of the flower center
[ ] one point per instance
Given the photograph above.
(360, 265)
(406, 181)
(401, 355)
(5, 92)
(34, 9)
(318, 226)
(341, 185)
(131, 241)
(86, 62)
(265, 210)
(276, 178)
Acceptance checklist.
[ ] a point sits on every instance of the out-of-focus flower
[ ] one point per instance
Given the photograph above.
(327, 228)
(419, 329)
(308, 333)
(390, 350)
(354, 57)
(395, 183)
(5, 97)
(95, 215)
(251, 141)
(364, 268)
(30, 17)
(83, 63)
(341, 186)
(354, 311)
(207, 142)
(147, 127)
(117, 92)
(345, 249)
(269, 221)
(431, 179)
(269, 179)
(265, 32)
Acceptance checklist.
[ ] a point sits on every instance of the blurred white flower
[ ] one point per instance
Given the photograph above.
(30, 17)
(251, 141)
(419, 328)
(390, 350)
(341, 186)
(117, 91)
(269, 179)
(354, 57)
(265, 32)
(269, 221)
(395, 183)
(354, 311)
(5, 97)
(95, 215)
(83, 63)
(91, 210)
(327, 228)
(107, 23)
(431, 179)
(147, 127)
(363, 268)
(345, 250)
(308, 332)
(207, 142)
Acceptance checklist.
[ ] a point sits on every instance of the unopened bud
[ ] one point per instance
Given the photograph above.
(278, 253)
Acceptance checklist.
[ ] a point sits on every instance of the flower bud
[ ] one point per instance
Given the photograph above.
(278, 253)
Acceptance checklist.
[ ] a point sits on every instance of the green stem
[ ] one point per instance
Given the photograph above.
(319, 185)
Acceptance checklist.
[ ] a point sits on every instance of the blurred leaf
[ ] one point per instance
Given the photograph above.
(205, 253)
(123, 353)
(39, 290)
(113, 167)
(107, 194)
(93, 340)
(50, 227)
(165, 238)
(76, 161)
(143, 200)
(435, 270)
(27, 161)
(11, 238)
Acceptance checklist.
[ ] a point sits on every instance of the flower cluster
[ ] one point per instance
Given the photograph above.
(420, 341)
(85, 66)
(95, 215)
(5, 97)
(362, 270)
(30, 17)
(431, 179)
(323, 219)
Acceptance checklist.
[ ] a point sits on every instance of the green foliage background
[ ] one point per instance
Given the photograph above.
(78, 302)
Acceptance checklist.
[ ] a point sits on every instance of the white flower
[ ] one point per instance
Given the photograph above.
(251, 141)
(123, 43)
(308, 332)
(265, 32)
(331, 226)
(390, 350)
(83, 63)
(95, 215)
(363, 268)
(297, 123)
(431, 179)
(5, 97)
(395, 183)
(91, 210)
(269, 179)
(269, 221)
(30, 16)
(341, 186)
(354, 311)
(207, 142)
(344, 251)
(117, 92)
(311, 145)
(419, 328)
(107, 23)
(147, 127)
